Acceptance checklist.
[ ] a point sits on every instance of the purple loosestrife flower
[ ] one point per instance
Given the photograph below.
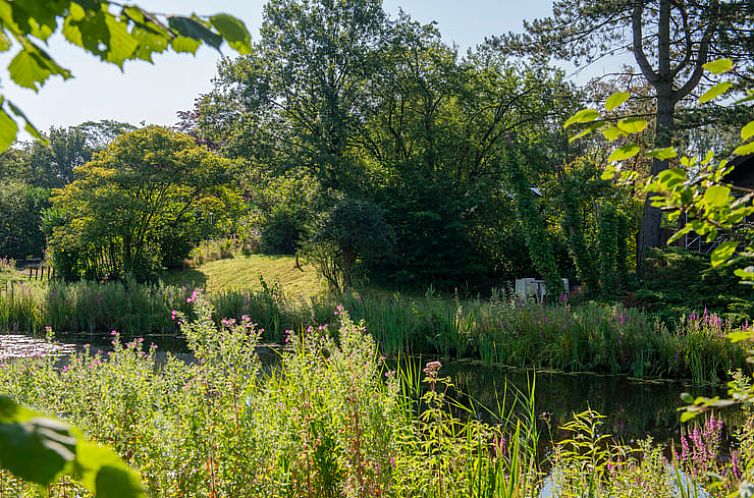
(735, 464)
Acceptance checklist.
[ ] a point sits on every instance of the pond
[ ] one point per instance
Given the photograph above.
(632, 409)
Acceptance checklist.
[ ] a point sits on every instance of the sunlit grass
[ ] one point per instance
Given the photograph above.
(242, 272)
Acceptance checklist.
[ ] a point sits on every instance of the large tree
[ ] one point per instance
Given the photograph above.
(139, 204)
(670, 41)
(296, 98)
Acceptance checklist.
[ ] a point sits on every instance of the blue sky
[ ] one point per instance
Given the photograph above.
(153, 93)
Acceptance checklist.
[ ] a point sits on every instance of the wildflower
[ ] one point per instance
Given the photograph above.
(692, 316)
(174, 315)
(228, 322)
(245, 318)
(735, 464)
(194, 296)
(563, 298)
(339, 309)
(432, 367)
(66, 368)
(113, 332)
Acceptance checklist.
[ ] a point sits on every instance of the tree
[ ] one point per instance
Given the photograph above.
(670, 41)
(53, 159)
(295, 99)
(354, 229)
(20, 232)
(138, 205)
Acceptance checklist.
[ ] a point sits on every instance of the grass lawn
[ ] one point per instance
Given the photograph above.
(242, 272)
(8, 277)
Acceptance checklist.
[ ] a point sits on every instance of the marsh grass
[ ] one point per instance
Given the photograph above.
(592, 337)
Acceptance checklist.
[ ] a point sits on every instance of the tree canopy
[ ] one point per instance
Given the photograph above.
(139, 205)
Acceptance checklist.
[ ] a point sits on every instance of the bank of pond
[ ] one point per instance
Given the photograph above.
(590, 337)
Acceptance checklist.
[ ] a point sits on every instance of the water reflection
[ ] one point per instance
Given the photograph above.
(633, 409)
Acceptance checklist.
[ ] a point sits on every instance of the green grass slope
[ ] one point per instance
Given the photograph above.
(242, 272)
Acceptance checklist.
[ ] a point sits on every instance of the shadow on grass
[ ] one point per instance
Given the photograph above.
(189, 277)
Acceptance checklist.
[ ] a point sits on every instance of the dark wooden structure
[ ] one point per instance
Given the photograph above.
(743, 172)
(742, 176)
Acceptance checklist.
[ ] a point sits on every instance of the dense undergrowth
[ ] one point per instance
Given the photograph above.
(590, 337)
(333, 421)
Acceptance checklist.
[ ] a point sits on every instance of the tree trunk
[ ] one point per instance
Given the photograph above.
(650, 235)
(347, 266)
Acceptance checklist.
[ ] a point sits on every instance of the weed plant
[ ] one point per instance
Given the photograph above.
(333, 421)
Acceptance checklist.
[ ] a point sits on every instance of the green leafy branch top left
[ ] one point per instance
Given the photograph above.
(113, 32)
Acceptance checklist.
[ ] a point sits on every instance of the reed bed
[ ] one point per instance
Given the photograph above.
(590, 337)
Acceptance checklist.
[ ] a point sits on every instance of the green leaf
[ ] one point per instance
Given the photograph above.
(719, 66)
(616, 100)
(626, 152)
(715, 91)
(8, 130)
(717, 196)
(185, 44)
(613, 133)
(583, 116)
(31, 67)
(609, 172)
(687, 398)
(632, 125)
(122, 45)
(34, 448)
(233, 31)
(105, 475)
(586, 131)
(722, 253)
(663, 154)
(191, 28)
(747, 131)
(744, 150)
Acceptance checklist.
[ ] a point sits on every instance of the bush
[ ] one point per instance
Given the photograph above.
(215, 250)
(679, 282)
(352, 231)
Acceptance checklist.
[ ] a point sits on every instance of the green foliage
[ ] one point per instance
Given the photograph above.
(20, 232)
(329, 420)
(112, 32)
(612, 251)
(40, 450)
(352, 231)
(537, 240)
(682, 282)
(139, 206)
(399, 119)
(593, 337)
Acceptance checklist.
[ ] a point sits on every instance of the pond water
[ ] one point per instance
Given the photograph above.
(633, 409)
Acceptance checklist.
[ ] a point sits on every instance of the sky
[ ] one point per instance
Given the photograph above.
(154, 93)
